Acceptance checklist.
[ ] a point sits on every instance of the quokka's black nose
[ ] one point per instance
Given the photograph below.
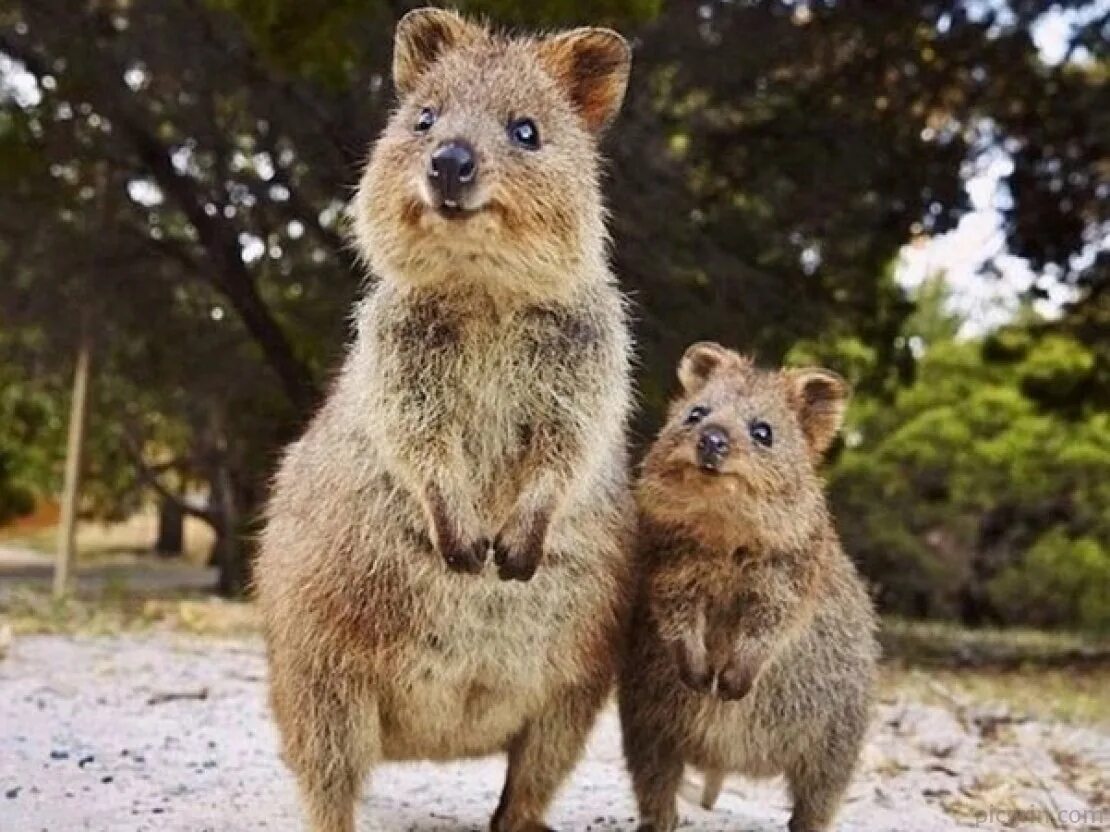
(712, 447)
(451, 170)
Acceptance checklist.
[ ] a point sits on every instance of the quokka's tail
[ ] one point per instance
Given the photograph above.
(711, 790)
(706, 792)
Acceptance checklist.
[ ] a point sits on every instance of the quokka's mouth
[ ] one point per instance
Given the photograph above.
(712, 470)
(451, 210)
(693, 466)
(684, 470)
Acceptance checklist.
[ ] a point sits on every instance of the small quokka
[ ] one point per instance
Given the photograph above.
(752, 644)
(446, 566)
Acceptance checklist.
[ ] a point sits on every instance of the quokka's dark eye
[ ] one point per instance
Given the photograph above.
(696, 414)
(425, 120)
(761, 434)
(524, 133)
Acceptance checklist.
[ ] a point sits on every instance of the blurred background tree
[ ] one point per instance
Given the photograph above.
(964, 496)
(173, 177)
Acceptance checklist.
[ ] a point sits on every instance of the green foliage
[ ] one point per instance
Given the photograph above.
(557, 13)
(29, 441)
(964, 496)
(326, 40)
(1056, 370)
(322, 40)
(1060, 581)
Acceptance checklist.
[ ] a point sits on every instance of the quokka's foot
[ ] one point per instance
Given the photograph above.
(531, 826)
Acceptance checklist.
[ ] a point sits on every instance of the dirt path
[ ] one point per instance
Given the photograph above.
(168, 733)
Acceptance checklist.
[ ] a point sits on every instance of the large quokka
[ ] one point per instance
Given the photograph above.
(446, 564)
(752, 644)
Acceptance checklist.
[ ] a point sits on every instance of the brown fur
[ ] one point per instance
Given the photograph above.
(752, 646)
(445, 568)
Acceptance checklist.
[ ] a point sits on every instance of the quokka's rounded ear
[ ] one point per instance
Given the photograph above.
(422, 36)
(592, 65)
(699, 362)
(820, 398)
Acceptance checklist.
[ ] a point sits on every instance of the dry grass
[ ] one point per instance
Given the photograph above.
(1064, 695)
(1052, 675)
(117, 609)
(98, 541)
(929, 643)
(119, 605)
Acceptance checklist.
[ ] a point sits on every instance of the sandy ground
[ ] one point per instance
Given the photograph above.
(165, 732)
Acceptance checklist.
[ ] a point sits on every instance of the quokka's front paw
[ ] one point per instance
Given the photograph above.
(460, 552)
(518, 547)
(466, 558)
(516, 562)
(693, 667)
(738, 676)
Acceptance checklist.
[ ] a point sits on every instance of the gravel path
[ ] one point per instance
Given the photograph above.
(165, 732)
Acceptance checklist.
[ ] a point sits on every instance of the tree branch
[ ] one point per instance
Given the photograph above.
(229, 275)
(149, 477)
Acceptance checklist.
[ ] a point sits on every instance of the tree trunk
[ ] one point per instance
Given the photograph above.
(171, 529)
(75, 448)
(233, 507)
(230, 552)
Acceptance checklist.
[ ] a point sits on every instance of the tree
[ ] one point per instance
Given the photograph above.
(813, 140)
(964, 497)
(771, 159)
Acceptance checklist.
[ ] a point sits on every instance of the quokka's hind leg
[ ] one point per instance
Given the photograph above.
(655, 763)
(543, 754)
(656, 769)
(331, 739)
(819, 776)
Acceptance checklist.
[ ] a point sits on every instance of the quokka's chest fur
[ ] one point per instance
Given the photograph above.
(479, 381)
